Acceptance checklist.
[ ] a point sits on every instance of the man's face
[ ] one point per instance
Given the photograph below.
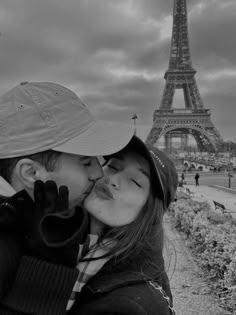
(78, 173)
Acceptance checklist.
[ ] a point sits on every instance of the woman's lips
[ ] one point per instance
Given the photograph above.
(103, 191)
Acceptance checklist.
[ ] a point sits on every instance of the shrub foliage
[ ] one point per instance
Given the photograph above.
(212, 238)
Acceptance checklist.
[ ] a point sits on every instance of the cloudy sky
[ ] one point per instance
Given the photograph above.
(113, 53)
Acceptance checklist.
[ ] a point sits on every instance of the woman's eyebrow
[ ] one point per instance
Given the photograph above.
(144, 173)
(120, 158)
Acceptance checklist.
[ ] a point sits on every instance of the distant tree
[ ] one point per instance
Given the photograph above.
(228, 146)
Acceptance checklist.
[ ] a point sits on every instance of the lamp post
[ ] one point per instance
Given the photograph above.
(190, 159)
(229, 167)
(229, 176)
(135, 116)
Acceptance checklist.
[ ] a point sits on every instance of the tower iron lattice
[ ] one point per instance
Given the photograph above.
(193, 119)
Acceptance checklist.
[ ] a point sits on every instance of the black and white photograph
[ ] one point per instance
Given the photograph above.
(117, 101)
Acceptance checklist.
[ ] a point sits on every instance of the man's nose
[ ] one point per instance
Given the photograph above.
(96, 170)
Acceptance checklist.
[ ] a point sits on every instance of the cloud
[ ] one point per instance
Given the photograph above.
(114, 53)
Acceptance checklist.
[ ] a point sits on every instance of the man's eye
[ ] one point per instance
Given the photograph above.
(134, 181)
(87, 163)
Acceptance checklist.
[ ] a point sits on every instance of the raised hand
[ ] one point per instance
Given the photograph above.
(49, 199)
(51, 230)
(56, 230)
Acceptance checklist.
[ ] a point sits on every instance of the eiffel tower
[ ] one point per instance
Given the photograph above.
(193, 119)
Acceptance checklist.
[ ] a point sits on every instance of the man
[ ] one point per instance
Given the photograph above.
(197, 179)
(42, 122)
(47, 133)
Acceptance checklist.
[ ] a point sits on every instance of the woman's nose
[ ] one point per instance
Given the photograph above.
(112, 180)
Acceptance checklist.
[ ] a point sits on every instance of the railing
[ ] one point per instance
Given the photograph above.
(182, 111)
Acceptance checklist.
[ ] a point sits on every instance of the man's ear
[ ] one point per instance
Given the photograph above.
(27, 171)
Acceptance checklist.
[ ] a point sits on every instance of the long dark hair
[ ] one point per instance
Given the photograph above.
(140, 242)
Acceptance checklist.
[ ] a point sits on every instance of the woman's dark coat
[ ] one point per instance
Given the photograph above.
(123, 292)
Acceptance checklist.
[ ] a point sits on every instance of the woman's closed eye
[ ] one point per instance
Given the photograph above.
(136, 182)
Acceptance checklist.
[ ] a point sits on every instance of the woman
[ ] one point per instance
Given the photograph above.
(126, 208)
(123, 272)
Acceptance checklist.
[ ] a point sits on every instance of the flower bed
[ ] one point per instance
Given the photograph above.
(212, 238)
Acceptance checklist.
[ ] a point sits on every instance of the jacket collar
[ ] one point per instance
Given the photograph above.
(2, 199)
(5, 188)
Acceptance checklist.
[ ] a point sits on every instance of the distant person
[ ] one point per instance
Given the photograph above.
(182, 176)
(196, 179)
(180, 183)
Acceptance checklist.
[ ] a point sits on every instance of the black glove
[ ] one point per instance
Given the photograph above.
(47, 200)
(45, 229)
(53, 231)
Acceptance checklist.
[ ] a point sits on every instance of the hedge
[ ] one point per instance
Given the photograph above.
(212, 239)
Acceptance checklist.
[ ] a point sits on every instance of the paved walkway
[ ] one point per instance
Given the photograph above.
(210, 193)
(191, 293)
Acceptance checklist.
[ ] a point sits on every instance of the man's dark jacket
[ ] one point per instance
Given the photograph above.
(29, 284)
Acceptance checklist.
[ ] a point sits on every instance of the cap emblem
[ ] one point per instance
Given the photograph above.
(157, 158)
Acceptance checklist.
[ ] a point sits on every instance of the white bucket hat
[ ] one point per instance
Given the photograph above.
(39, 116)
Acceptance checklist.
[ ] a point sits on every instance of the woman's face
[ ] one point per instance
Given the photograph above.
(119, 196)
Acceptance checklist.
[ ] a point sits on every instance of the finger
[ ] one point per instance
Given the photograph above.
(63, 199)
(51, 196)
(39, 197)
